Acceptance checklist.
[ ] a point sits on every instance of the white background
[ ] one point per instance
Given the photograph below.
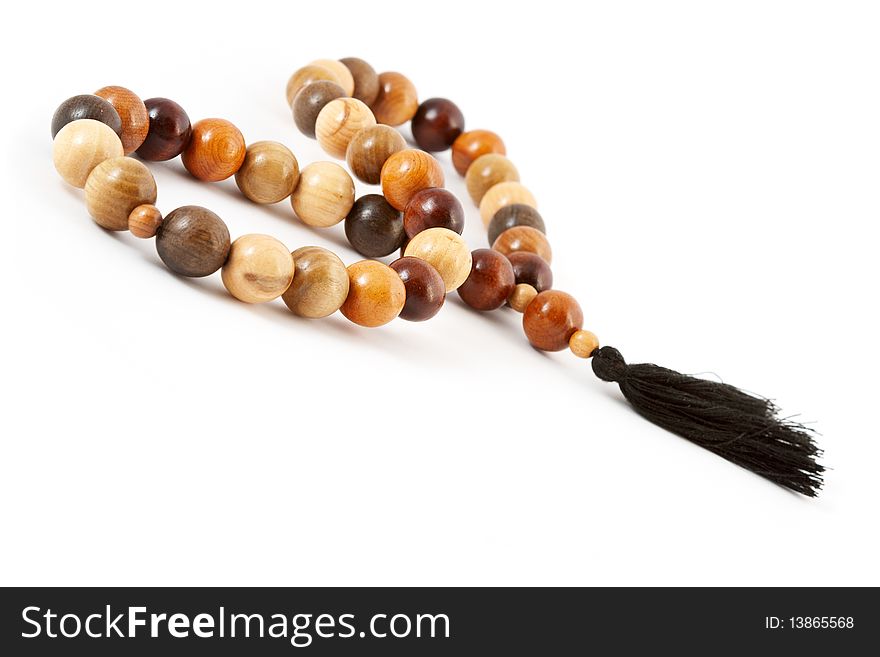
(709, 175)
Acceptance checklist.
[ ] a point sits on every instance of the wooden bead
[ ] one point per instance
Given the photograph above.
(340, 70)
(366, 80)
(551, 319)
(407, 172)
(82, 145)
(523, 238)
(86, 106)
(425, 289)
(338, 123)
(490, 282)
(115, 188)
(259, 268)
(446, 251)
(501, 195)
(169, 132)
(376, 294)
(487, 171)
(369, 149)
(583, 343)
(216, 150)
(309, 102)
(516, 214)
(320, 284)
(471, 145)
(269, 172)
(433, 208)
(373, 227)
(437, 124)
(397, 100)
(324, 195)
(144, 221)
(521, 297)
(133, 114)
(193, 241)
(304, 76)
(532, 269)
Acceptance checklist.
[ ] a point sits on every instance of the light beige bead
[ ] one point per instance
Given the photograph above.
(339, 121)
(521, 297)
(320, 284)
(446, 251)
(116, 187)
(502, 194)
(304, 76)
(82, 145)
(259, 268)
(269, 172)
(487, 171)
(583, 343)
(324, 195)
(341, 71)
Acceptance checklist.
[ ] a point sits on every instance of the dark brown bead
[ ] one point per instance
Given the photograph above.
(425, 289)
(366, 80)
(86, 106)
(193, 241)
(374, 228)
(309, 102)
(433, 208)
(532, 269)
(509, 216)
(490, 282)
(170, 130)
(551, 319)
(438, 122)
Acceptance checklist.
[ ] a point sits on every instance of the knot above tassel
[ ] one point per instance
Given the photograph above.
(738, 426)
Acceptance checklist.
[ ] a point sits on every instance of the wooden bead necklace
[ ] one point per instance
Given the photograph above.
(351, 111)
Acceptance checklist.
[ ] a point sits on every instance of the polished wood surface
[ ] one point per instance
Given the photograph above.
(82, 145)
(407, 172)
(373, 227)
(193, 241)
(490, 282)
(583, 343)
(338, 123)
(369, 149)
(144, 221)
(320, 283)
(115, 188)
(515, 214)
(343, 75)
(366, 80)
(446, 251)
(501, 195)
(259, 268)
(472, 144)
(376, 295)
(269, 173)
(532, 269)
(523, 238)
(436, 124)
(169, 131)
(551, 319)
(397, 100)
(521, 297)
(324, 195)
(86, 106)
(309, 102)
(132, 113)
(425, 289)
(304, 76)
(434, 207)
(487, 171)
(216, 150)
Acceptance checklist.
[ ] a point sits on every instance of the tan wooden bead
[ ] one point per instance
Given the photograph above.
(583, 343)
(269, 172)
(524, 238)
(82, 145)
(487, 171)
(320, 283)
(397, 101)
(259, 268)
(343, 75)
(446, 251)
(521, 297)
(502, 194)
(376, 295)
(305, 76)
(339, 121)
(144, 221)
(324, 195)
(116, 187)
(407, 172)
(370, 148)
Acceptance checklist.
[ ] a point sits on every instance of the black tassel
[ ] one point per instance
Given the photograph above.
(740, 427)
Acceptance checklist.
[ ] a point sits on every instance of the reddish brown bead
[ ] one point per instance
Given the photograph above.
(425, 289)
(532, 269)
(438, 122)
(216, 150)
(433, 208)
(133, 114)
(551, 319)
(169, 133)
(470, 145)
(490, 282)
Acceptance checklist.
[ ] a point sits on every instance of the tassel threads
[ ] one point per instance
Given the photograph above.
(735, 425)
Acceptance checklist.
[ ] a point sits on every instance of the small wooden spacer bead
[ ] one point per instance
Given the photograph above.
(521, 297)
(583, 343)
(144, 221)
